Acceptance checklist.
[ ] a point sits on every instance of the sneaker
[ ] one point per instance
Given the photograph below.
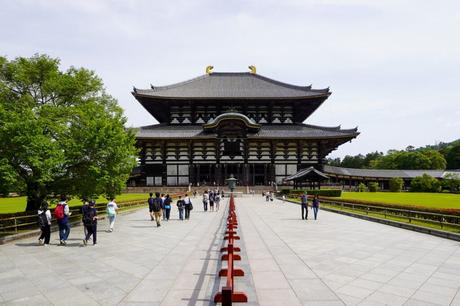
(40, 241)
(110, 230)
(61, 242)
(85, 242)
(94, 244)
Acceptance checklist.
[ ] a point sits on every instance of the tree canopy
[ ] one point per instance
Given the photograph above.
(60, 131)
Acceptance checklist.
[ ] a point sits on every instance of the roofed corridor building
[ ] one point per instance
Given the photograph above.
(239, 123)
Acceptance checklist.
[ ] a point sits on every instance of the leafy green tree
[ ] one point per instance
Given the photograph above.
(353, 161)
(453, 156)
(362, 187)
(396, 184)
(451, 182)
(373, 187)
(60, 131)
(425, 183)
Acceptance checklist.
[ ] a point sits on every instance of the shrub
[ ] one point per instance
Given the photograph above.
(362, 187)
(396, 184)
(373, 186)
(425, 183)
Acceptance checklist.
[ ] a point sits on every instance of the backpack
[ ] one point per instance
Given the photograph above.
(87, 216)
(111, 210)
(42, 219)
(157, 204)
(180, 203)
(59, 212)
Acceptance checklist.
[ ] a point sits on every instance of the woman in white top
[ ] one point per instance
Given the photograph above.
(112, 208)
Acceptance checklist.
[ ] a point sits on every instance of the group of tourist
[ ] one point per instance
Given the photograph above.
(62, 214)
(160, 207)
(211, 197)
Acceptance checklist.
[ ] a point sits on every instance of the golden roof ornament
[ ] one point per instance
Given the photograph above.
(209, 69)
(252, 69)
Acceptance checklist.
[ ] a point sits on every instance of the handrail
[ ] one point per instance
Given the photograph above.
(228, 295)
(411, 215)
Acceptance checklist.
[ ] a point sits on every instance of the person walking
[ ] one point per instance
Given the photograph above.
(157, 208)
(267, 196)
(217, 199)
(112, 208)
(150, 202)
(181, 206)
(304, 205)
(90, 222)
(167, 206)
(62, 213)
(212, 196)
(44, 220)
(188, 206)
(205, 200)
(85, 204)
(163, 198)
(315, 205)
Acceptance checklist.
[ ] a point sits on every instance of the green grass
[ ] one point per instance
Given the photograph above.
(18, 204)
(378, 215)
(428, 200)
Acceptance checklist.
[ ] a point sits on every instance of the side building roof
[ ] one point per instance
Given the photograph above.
(383, 173)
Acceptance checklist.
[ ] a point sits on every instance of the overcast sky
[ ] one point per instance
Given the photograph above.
(393, 66)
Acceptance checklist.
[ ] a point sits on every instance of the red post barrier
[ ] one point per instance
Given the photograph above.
(228, 295)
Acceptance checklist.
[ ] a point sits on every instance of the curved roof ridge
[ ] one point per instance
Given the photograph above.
(174, 85)
(325, 90)
(261, 77)
(331, 128)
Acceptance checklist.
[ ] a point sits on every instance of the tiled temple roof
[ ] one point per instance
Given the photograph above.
(301, 131)
(383, 173)
(231, 85)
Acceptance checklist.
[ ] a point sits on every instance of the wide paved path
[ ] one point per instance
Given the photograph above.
(336, 260)
(339, 260)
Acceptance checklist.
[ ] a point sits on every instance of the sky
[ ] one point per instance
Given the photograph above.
(393, 66)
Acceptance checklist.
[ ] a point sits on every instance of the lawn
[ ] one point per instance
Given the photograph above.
(18, 204)
(428, 200)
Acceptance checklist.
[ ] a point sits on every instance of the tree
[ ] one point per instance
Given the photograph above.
(453, 156)
(451, 182)
(362, 187)
(373, 186)
(353, 161)
(425, 183)
(396, 184)
(60, 131)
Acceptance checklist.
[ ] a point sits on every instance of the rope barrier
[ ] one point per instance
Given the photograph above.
(228, 295)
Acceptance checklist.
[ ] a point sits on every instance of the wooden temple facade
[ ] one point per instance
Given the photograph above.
(243, 124)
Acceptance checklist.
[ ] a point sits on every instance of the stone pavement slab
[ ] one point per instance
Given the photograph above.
(335, 260)
(340, 260)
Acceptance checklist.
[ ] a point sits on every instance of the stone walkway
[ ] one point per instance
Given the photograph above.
(335, 260)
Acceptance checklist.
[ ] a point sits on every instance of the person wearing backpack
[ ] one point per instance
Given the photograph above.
(181, 206)
(44, 220)
(157, 208)
(90, 222)
(212, 195)
(167, 206)
(150, 202)
(62, 213)
(112, 208)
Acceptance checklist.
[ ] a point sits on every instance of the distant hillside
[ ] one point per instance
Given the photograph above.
(444, 155)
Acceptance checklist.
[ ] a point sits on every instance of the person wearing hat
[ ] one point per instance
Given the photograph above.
(90, 222)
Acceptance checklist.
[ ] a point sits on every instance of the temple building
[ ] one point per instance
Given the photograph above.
(224, 123)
